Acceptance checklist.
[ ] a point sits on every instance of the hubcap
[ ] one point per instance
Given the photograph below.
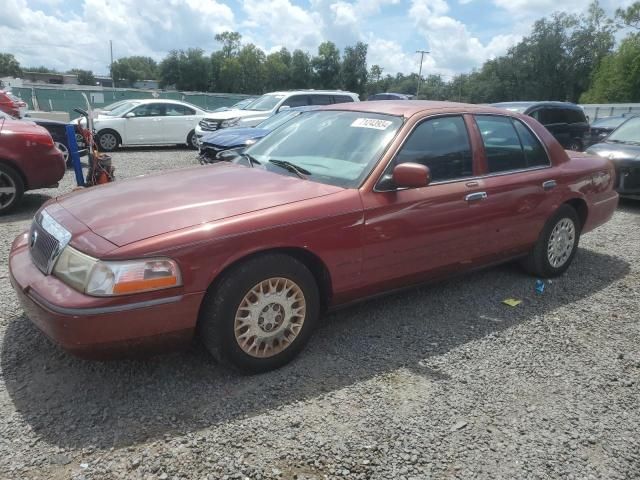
(561, 242)
(7, 190)
(63, 148)
(270, 317)
(108, 141)
(194, 141)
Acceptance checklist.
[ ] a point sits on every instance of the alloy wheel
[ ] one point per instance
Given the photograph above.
(270, 317)
(7, 190)
(65, 151)
(561, 242)
(108, 141)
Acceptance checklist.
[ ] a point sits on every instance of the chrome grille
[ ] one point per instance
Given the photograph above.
(43, 247)
(209, 125)
(47, 238)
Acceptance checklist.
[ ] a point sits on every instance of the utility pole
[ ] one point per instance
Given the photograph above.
(113, 83)
(422, 53)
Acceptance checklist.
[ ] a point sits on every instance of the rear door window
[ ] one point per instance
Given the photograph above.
(297, 101)
(509, 144)
(321, 99)
(342, 99)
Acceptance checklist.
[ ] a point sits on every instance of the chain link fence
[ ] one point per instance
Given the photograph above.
(48, 99)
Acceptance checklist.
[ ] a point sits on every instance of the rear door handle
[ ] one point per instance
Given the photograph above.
(472, 197)
(549, 185)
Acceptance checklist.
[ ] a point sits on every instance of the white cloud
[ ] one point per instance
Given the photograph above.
(137, 27)
(390, 55)
(453, 48)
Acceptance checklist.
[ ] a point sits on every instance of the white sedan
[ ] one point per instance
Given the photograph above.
(148, 122)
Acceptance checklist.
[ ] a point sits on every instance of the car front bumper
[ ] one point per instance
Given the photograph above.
(92, 327)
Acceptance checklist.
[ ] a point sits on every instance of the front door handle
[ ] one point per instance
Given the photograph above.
(549, 185)
(472, 197)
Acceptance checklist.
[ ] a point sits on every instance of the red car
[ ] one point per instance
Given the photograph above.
(338, 205)
(12, 105)
(28, 160)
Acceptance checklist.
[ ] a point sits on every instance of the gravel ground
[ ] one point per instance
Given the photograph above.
(438, 382)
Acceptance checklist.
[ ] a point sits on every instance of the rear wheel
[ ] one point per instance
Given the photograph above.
(261, 314)
(557, 245)
(108, 140)
(11, 188)
(192, 140)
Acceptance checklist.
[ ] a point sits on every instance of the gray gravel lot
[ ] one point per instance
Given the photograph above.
(438, 382)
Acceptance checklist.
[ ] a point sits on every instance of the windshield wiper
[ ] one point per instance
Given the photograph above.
(291, 167)
(252, 160)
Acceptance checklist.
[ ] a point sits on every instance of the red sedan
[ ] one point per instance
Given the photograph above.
(28, 160)
(338, 205)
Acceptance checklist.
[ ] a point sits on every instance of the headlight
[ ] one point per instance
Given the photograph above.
(103, 278)
(230, 122)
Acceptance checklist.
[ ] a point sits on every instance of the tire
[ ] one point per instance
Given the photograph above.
(65, 152)
(547, 260)
(108, 140)
(12, 188)
(575, 145)
(192, 141)
(228, 320)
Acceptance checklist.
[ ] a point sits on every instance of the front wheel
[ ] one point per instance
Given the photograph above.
(192, 140)
(108, 140)
(11, 188)
(261, 314)
(556, 246)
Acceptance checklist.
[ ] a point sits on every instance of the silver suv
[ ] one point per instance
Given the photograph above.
(269, 104)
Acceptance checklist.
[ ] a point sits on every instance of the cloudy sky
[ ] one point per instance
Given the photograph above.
(460, 34)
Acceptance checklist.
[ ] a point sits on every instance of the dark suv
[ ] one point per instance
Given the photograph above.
(566, 121)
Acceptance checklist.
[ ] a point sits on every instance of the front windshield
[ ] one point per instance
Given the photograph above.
(4, 115)
(122, 108)
(628, 132)
(264, 103)
(336, 147)
(275, 121)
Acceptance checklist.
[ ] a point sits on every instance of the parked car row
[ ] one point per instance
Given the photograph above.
(335, 205)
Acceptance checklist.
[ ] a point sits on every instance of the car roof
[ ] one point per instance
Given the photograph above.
(162, 100)
(530, 104)
(408, 108)
(311, 91)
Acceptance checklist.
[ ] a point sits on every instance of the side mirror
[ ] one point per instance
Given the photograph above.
(283, 108)
(129, 115)
(411, 175)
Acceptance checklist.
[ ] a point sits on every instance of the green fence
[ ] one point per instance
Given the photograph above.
(66, 99)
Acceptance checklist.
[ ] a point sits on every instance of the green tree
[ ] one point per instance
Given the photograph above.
(301, 72)
(354, 68)
(230, 43)
(9, 66)
(618, 76)
(276, 72)
(629, 17)
(186, 70)
(326, 66)
(128, 70)
(251, 60)
(85, 77)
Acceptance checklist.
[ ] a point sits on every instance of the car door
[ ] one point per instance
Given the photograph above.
(413, 234)
(518, 183)
(179, 120)
(145, 125)
(321, 99)
(555, 120)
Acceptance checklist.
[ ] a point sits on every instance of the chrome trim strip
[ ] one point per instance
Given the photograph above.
(99, 310)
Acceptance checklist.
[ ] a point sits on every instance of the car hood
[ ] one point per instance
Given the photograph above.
(134, 209)
(235, 114)
(232, 137)
(615, 151)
